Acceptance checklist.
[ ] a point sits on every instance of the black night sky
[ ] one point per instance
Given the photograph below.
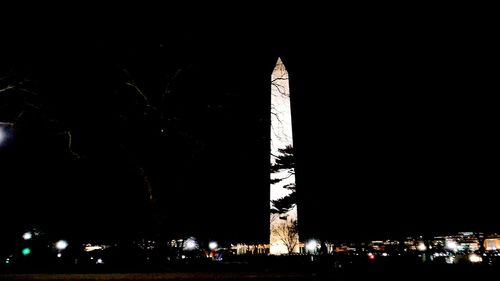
(394, 128)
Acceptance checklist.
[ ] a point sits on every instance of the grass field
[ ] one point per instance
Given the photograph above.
(421, 274)
(295, 272)
(157, 276)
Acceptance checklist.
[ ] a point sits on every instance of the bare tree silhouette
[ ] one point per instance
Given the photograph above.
(287, 232)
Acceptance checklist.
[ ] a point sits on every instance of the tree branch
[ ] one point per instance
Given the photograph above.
(9, 87)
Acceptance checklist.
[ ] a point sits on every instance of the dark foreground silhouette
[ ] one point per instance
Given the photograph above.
(267, 268)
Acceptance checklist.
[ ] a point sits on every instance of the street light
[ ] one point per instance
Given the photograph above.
(61, 245)
(312, 245)
(451, 245)
(421, 247)
(212, 245)
(26, 251)
(27, 236)
(190, 244)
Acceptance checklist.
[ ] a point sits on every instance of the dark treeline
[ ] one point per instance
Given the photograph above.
(130, 127)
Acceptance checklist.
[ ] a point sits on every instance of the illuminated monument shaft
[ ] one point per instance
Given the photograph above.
(284, 236)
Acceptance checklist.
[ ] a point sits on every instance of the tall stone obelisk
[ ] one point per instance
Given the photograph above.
(284, 237)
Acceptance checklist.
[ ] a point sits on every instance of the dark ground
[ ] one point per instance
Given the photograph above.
(403, 273)
(270, 268)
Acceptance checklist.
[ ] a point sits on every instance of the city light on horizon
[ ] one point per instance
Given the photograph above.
(474, 258)
(27, 235)
(311, 245)
(61, 245)
(466, 245)
(421, 247)
(213, 245)
(190, 244)
(26, 251)
(451, 245)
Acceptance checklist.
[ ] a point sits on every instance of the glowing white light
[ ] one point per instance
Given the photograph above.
(59, 255)
(384, 254)
(212, 245)
(99, 261)
(475, 258)
(3, 135)
(190, 244)
(491, 244)
(451, 245)
(312, 245)
(421, 247)
(90, 248)
(61, 245)
(27, 236)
